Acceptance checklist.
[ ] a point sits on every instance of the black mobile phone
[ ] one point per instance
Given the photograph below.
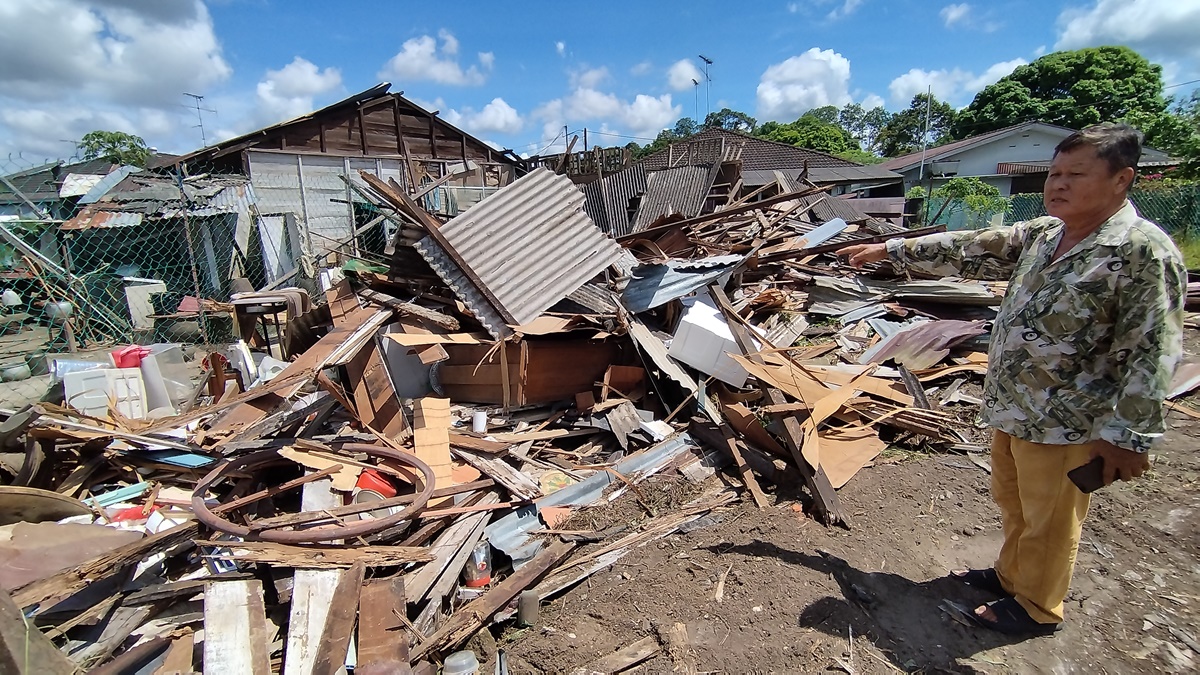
(1089, 477)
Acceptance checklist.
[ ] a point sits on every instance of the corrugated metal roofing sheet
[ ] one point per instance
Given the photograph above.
(608, 199)
(680, 190)
(531, 244)
(95, 218)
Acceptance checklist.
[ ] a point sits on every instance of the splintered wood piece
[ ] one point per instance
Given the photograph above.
(623, 659)
(23, 648)
(102, 566)
(382, 644)
(824, 496)
(468, 620)
(339, 622)
(235, 628)
(374, 397)
(517, 482)
(318, 557)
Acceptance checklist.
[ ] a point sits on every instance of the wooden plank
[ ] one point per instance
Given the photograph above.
(623, 659)
(318, 557)
(99, 642)
(467, 621)
(445, 548)
(431, 438)
(235, 629)
(339, 623)
(519, 483)
(256, 408)
(374, 397)
(102, 566)
(824, 497)
(179, 656)
(23, 648)
(382, 647)
(312, 594)
(743, 468)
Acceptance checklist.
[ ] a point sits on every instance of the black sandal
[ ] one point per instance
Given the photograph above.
(985, 580)
(1012, 619)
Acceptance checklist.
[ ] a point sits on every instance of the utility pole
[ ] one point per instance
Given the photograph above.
(585, 145)
(925, 136)
(198, 99)
(707, 90)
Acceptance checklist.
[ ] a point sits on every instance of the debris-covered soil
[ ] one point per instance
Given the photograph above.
(795, 592)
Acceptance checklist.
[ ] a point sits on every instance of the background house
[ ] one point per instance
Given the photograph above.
(305, 171)
(1015, 159)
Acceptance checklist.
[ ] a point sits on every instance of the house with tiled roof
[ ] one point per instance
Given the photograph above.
(761, 158)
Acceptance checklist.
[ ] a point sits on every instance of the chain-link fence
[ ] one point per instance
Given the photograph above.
(1175, 207)
(95, 257)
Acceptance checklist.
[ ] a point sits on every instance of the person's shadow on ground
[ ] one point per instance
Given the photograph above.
(902, 618)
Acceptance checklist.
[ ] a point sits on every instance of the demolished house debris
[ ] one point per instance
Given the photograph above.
(547, 351)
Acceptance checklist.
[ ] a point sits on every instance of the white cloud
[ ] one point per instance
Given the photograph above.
(1162, 29)
(289, 91)
(68, 67)
(955, 14)
(813, 79)
(449, 42)
(589, 78)
(848, 7)
(560, 48)
(114, 51)
(872, 101)
(642, 117)
(681, 73)
(794, 7)
(642, 68)
(420, 58)
(948, 85)
(495, 117)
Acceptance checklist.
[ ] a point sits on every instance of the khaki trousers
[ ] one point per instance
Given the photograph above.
(1042, 512)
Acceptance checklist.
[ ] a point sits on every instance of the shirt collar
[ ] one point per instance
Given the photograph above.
(1112, 232)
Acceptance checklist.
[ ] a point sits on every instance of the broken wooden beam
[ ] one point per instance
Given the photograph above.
(828, 506)
(382, 648)
(471, 617)
(235, 628)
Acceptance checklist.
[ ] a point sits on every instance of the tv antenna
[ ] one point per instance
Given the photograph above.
(198, 99)
(696, 89)
(708, 89)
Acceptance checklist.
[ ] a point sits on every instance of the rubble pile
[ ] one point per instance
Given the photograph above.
(416, 466)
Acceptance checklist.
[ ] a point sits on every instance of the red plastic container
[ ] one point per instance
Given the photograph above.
(370, 479)
(129, 357)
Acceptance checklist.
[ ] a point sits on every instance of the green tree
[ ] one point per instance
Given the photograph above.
(117, 147)
(864, 125)
(1071, 88)
(826, 113)
(976, 198)
(810, 131)
(905, 130)
(685, 127)
(730, 120)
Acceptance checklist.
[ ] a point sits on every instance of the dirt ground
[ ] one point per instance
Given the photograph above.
(801, 597)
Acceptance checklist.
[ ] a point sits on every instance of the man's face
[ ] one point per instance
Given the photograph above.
(1081, 186)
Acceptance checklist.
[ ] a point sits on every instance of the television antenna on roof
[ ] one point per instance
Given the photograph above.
(708, 89)
(198, 99)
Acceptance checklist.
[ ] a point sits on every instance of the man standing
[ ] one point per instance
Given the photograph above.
(1082, 353)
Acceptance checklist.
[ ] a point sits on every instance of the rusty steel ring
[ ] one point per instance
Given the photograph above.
(311, 535)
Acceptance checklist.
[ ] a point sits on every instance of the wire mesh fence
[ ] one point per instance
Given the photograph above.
(96, 256)
(1174, 206)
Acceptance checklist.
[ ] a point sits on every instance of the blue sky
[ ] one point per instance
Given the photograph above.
(515, 73)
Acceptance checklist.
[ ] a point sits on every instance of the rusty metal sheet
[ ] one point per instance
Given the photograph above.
(95, 218)
(531, 244)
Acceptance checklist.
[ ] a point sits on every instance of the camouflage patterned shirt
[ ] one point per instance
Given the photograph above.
(1084, 347)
